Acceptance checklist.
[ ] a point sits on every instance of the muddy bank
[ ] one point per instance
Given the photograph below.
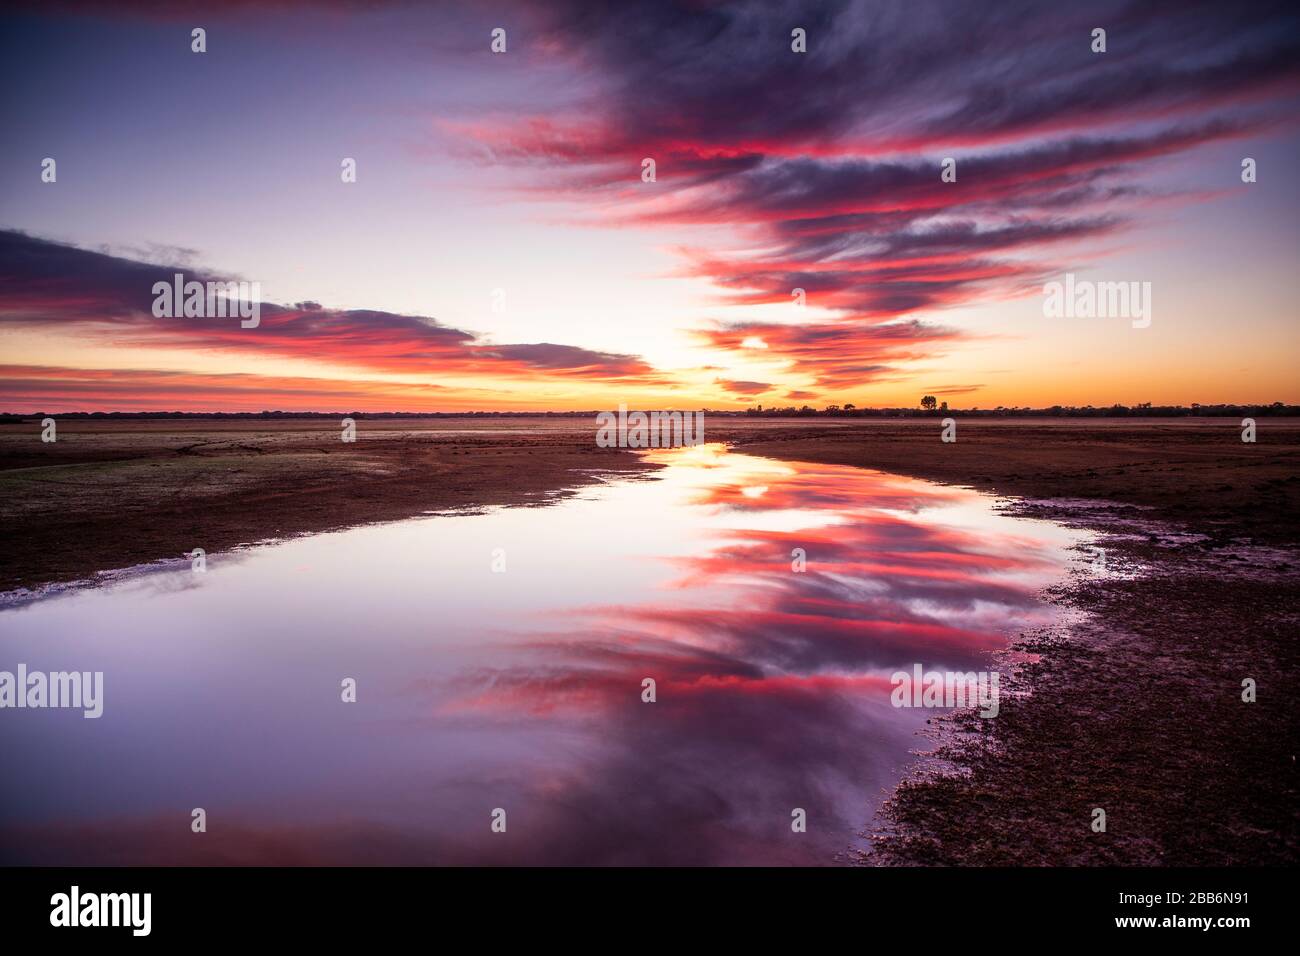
(1134, 706)
(1136, 709)
(108, 496)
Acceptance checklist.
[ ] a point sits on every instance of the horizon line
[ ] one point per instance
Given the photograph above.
(806, 411)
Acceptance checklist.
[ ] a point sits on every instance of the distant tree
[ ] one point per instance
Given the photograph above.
(849, 406)
(929, 402)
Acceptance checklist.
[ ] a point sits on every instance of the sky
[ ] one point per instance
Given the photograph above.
(500, 247)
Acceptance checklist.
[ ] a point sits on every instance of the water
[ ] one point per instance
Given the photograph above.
(522, 690)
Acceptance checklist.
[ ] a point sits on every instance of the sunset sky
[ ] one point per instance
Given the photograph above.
(521, 172)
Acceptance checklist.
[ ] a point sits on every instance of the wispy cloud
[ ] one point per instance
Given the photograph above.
(825, 166)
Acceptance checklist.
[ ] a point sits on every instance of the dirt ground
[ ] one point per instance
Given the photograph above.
(1135, 707)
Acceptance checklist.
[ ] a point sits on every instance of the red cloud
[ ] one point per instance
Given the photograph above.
(838, 354)
(61, 388)
(825, 166)
(49, 285)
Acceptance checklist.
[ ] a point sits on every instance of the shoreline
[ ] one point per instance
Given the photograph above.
(111, 496)
(1133, 705)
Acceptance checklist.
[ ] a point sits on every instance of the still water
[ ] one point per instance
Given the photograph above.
(522, 689)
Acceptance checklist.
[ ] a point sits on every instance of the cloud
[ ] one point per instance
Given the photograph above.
(742, 388)
(51, 286)
(816, 170)
(839, 355)
(956, 389)
(56, 388)
(825, 166)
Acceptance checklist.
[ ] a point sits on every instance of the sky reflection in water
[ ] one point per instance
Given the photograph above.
(522, 689)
